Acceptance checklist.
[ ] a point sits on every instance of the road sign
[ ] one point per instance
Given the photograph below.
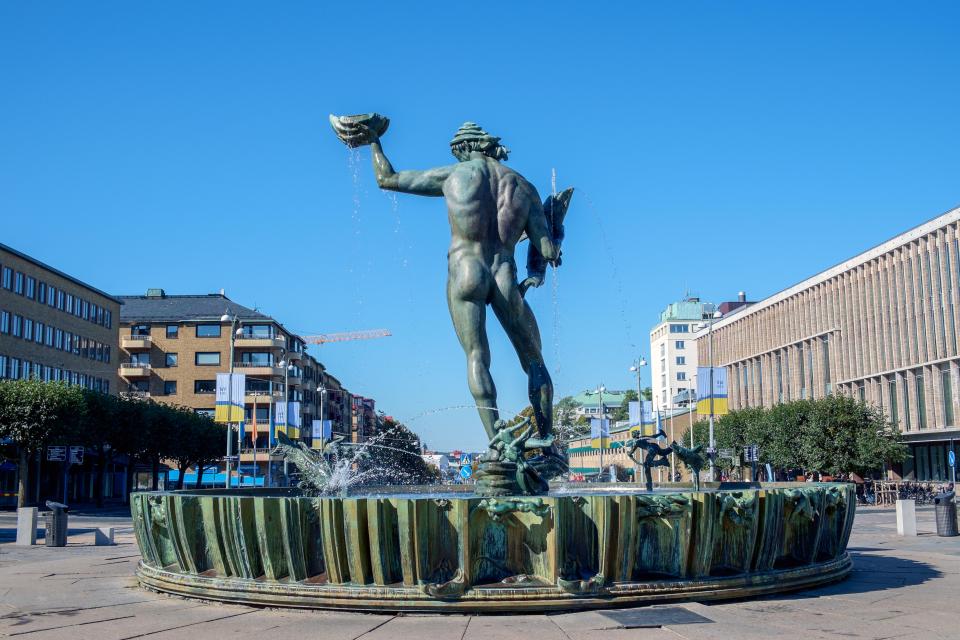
(230, 458)
(751, 453)
(466, 471)
(56, 454)
(76, 455)
(465, 459)
(951, 458)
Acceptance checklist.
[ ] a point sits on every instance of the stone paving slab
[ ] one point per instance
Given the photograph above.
(900, 588)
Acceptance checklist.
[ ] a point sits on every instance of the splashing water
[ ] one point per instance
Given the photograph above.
(615, 271)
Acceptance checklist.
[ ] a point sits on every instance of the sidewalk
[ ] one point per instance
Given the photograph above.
(899, 588)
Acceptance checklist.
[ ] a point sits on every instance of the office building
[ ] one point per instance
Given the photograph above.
(55, 327)
(673, 353)
(880, 326)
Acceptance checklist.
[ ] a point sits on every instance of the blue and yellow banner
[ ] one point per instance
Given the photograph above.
(718, 394)
(599, 432)
(230, 388)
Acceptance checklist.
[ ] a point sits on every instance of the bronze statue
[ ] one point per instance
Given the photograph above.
(693, 458)
(490, 208)
(656, 456)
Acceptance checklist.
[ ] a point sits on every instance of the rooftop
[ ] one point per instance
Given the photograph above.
(611, 399)
(158, 306)
(904, 238)
(689, 309)
(63, 275)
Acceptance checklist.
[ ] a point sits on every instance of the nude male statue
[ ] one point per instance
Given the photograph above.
(489, 207)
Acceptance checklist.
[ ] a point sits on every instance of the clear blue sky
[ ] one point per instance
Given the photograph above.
(715, 147)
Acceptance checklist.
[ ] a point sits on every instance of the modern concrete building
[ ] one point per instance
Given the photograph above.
(363, 417)
(54, 326)
(673, 356)
(881, 326)
(173, 346)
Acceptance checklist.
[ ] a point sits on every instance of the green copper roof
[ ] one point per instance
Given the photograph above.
(611, 399)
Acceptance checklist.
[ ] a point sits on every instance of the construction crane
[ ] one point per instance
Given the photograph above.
(345, 336)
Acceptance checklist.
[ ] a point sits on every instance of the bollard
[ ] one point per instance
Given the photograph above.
(906, 518)
(103, 537)
(26, 526)
(56, 524)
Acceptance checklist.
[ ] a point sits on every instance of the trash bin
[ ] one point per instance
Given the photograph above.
(946, 514)
(56, 524)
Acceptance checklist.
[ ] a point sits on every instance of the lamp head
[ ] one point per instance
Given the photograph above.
(225, 318)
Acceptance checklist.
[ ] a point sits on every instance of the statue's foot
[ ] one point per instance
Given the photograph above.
(550, 464)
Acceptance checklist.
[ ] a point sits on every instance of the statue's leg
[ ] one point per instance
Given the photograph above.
(468, 311)
(519, 323)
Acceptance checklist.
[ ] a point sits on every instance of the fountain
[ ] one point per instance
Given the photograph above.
(515, 541)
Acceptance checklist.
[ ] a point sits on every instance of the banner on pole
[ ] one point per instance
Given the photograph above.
(230, 388)
(599, 432)
(641, 413)
(293, 420)
(718, 393)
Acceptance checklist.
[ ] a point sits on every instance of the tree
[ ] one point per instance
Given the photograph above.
(623, 411)
(842, 434)
(32, 414)
(396, 453)
(97, 431)
(209, 437)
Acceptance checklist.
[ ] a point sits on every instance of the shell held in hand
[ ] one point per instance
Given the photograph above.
(361, 129)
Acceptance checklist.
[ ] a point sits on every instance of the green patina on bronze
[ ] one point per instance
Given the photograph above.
(471, 553)
(490, 209)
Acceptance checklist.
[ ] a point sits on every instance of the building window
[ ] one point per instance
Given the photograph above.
(921, 400)
(892, 394)
(681, 360)
(140, 330)
(947, 387)
(679, 344)
(169, 387)
(140, 358)
(256, 358)
(204, 386)
(827, 387)
(7, 278)
(42, 293)
(4, 322)
(257, 331)
(171, 359)
(208, 330)
(49, 336)
(17, 326)
(107, 319)
(207, 358)
(862, 391)
(663, 349)
(173, 331)
(681, 375)
(679, 328)
(18, 283)
(3, 366)
(31, 288)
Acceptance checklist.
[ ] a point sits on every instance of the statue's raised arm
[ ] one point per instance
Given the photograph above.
(356, 131)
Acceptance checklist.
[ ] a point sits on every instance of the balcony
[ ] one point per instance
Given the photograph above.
(135, 395)
(258, 369)
(293, 356)
(254, 341)
(132, 343)
(262, 397)
(134, 370)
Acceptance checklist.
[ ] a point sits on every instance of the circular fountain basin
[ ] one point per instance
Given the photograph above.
(448, 550)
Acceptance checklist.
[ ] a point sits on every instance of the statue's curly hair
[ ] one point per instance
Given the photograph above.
(487, 145)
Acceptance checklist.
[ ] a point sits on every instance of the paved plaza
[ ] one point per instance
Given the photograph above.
(899, 588)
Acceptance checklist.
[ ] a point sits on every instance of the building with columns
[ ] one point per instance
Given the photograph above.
(881, 326)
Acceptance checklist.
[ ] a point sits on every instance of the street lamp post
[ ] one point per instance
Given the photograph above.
(640, 362)
(232, 319)
(599, 392)
(712, 453)
(287, 366)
